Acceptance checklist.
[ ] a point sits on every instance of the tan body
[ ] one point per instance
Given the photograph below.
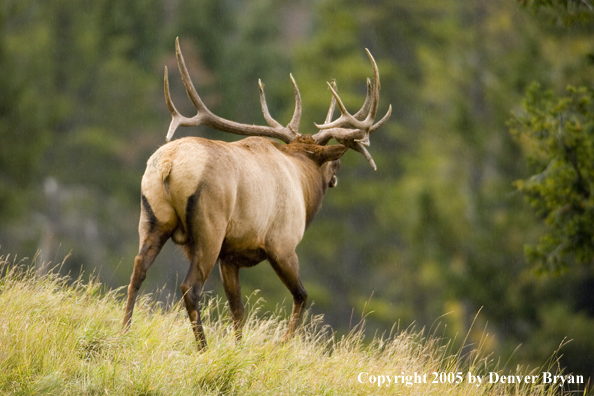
(244, 202)
(239, 203)
(263, 195)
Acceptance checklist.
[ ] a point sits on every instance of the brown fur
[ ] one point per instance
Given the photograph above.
(243, 202)
(237, 203)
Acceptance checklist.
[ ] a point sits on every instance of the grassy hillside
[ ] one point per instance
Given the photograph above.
(59, 336)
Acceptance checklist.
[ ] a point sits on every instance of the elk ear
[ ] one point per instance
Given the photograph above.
(323, 154)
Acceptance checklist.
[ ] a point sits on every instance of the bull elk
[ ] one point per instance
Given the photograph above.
(243, 202)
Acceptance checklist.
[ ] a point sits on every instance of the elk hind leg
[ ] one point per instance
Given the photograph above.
(205, 229)
(201, 264)
(153, 235)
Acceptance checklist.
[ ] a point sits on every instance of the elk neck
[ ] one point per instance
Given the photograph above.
(311, 175)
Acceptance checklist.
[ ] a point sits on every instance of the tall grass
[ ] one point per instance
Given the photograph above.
(62, 337)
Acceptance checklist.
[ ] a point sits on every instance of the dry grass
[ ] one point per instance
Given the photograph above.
(60, 337)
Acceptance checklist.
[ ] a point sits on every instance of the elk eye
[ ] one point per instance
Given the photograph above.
(333, 181)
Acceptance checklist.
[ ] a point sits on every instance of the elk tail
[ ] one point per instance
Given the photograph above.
(179, 236)
(165, 170)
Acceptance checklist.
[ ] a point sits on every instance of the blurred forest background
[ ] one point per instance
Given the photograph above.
(482, 197)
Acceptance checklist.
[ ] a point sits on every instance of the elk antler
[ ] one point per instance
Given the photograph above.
(205, 117)
(350, 130)
(353, 130)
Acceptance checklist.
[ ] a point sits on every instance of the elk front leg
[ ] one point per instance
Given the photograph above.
(200, 267)
(230, 278)
(287, 269)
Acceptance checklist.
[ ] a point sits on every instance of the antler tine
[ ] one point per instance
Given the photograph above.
(293, 126)
(205, 117)
(357, 146)
(353, 130)
(271, 121)
(362, 113)
(345, 118)
(360, 147)
(332, 104)
(381, 122)
(369, 107)
(296, 119)
(176, 118)
(185, 75)
(376, 91)
(324, 136)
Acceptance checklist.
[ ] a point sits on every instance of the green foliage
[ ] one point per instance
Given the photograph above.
(25, 116)
(559, 322)
(77, 87)
(557, 135)
(437, 229)
(568, 12)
